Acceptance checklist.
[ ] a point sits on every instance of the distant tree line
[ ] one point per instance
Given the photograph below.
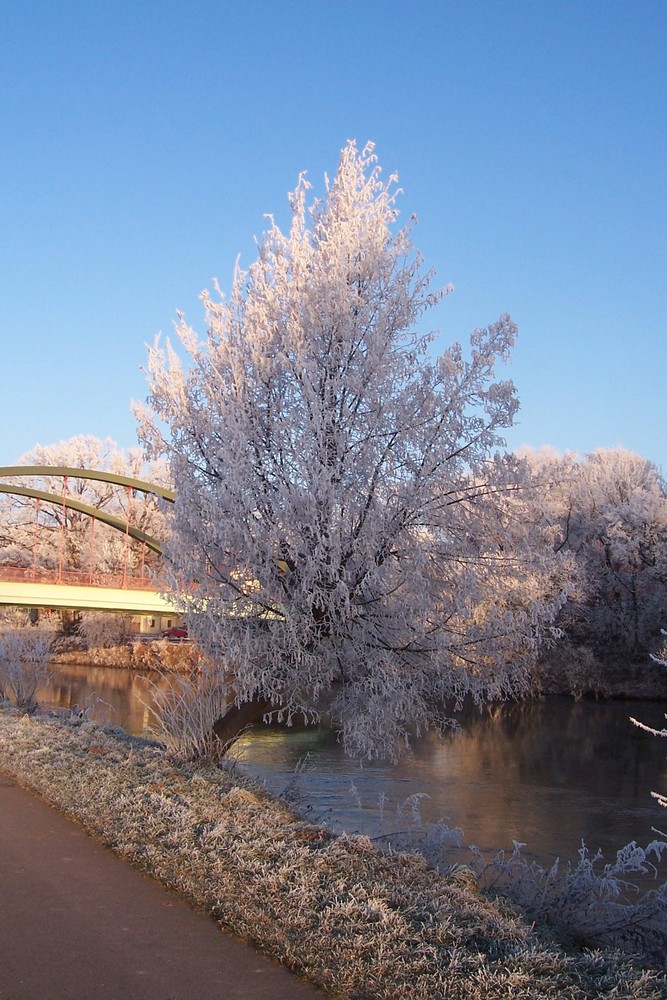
(608, 512)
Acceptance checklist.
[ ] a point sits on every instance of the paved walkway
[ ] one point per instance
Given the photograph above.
(77, 923)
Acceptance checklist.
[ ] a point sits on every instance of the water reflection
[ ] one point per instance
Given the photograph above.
(545, 773)
(112, 696)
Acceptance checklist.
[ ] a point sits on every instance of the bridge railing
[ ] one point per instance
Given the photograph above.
(80, 578)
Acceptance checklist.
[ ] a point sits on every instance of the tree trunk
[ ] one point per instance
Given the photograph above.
(237, 718)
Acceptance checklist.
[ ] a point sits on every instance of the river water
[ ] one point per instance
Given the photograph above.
(546, 773)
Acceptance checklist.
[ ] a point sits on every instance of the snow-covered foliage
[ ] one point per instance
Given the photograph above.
(49, 534)
(341, 519)
(609, 511)
(595, 902)
(24, 658)
(102, 631)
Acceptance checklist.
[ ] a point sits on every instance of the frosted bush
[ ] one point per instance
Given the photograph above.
(24, 657)
(573, 668)
(592, 902)
(184, 715)
(14, 618)
(101, 631)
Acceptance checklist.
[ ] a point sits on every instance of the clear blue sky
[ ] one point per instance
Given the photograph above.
(143, 143)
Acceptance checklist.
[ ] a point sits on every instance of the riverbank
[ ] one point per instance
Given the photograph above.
(563, 670)
(158, 654)
(354, 921)
(576, 671)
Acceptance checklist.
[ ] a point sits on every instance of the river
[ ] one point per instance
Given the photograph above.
(546, 773)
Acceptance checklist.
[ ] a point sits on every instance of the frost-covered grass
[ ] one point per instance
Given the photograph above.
(619, 904)
(355, 921)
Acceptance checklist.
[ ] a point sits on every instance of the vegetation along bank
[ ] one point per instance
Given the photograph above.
(354, 921)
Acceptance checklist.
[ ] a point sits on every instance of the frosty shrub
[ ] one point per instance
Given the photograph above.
(24, 658)
(184, 715)
(171, 656)
(573, 668)
(593, 902)
(406, 831)
(14, 618)
(102, 631)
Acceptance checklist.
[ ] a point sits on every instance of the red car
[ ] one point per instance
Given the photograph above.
(175, 634)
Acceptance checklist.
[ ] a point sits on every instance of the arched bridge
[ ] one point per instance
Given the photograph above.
(34, 587)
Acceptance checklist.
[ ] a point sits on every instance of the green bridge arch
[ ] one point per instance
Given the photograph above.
(65, 472)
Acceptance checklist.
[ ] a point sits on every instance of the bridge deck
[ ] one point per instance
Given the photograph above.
(82, 592)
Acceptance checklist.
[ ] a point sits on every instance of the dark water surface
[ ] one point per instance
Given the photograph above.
(547, 773)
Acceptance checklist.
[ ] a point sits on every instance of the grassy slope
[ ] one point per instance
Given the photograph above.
(352, 920)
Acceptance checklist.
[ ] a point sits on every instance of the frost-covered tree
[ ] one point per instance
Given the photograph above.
(104, 631)
(623, 499)
(337, 530)
(609, 510)
(53, 533)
